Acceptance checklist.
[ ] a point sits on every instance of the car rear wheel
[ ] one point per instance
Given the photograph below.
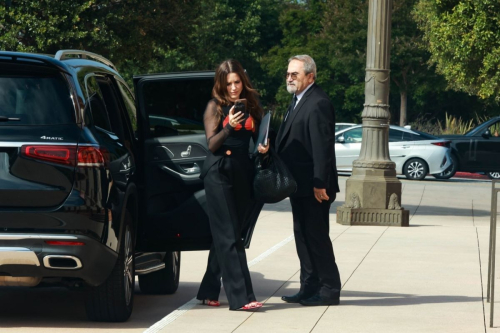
(415, 169)
(494, 175)
(113, 300)
(164, 281)
(450, 172)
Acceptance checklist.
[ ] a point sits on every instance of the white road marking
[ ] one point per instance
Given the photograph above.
(192, 303)
(172, 316)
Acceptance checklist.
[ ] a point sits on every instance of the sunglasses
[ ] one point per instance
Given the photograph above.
(293, 75)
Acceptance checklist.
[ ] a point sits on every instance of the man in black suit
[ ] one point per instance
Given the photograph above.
(306, 143)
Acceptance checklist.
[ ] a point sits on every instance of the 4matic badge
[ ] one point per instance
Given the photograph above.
(56, 138)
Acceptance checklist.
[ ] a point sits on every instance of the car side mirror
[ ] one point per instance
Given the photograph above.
(340, 139)
(487, 134)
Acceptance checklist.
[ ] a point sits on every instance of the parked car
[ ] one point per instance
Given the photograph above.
(95, 186)
(476, 151)
(416, 154)
(341, 126)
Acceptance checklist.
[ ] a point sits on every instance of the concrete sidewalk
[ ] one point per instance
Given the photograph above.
(429, 277)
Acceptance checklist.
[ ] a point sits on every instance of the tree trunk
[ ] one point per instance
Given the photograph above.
(402, 112)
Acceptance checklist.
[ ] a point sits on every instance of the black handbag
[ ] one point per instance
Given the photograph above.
(273, 181)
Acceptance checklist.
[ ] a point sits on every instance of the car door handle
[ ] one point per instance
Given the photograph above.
(187, 152)
(405, 147)
(195, 168)
(179, 175)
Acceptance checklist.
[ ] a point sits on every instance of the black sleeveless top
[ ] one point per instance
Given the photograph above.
(222, 137)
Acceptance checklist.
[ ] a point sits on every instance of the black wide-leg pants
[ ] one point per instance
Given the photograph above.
(311, 226)
(229, 200)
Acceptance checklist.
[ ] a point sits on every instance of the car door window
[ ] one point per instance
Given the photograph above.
(121, 109)
(354, 135)
(408, 136)
(113, 107)
(176, 109)
(395, 135)
(99, 116)
(129, 102)
(495, 130)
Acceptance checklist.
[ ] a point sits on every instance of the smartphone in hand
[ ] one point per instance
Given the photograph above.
(240, 105)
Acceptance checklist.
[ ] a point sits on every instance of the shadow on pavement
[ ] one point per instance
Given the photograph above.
(59, 307)
(422, 210)
(393, 299)
(446, 211)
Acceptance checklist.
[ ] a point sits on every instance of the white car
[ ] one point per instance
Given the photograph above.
(416, 154)
(341, 126)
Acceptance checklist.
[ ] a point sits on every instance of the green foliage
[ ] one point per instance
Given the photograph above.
(424, 124)
(38, 26)
(455, 125)
(343, 55)
(308, 29)
(408, 56)
(135, 34)
(451, 125)
(345, 27)
(296, 22)
(464, 39)
(148, 36)
(337, 42)
(239, 29)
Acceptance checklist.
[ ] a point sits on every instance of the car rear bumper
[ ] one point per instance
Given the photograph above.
(439, 162)
(38, 256)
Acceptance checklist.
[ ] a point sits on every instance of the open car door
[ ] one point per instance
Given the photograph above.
(173, 148)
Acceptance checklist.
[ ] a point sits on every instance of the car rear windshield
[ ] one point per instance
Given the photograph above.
(35, 100)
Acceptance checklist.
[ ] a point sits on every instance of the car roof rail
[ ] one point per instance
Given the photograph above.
(63, 54)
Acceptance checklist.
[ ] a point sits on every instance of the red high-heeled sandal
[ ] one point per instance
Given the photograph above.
(210, 302)
(251, 306)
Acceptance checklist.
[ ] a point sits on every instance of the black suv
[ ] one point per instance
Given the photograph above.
(91, 192)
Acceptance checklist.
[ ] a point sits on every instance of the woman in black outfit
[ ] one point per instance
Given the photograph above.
(227, 175)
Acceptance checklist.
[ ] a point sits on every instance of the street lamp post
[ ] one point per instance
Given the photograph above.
(373, 193)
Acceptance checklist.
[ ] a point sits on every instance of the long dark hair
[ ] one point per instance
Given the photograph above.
(219, 91)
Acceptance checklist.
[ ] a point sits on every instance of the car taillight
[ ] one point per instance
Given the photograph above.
(84, 156)
(55, 154)
(442, 144)
(90, 156)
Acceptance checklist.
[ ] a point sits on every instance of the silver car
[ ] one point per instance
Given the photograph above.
(416, 154)
(341, 126)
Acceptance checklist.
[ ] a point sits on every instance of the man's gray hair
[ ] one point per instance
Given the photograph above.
(309, 64)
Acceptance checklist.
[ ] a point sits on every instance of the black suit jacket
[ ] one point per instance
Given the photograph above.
(306, 143)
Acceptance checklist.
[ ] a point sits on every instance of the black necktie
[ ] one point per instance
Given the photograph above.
(292, 106)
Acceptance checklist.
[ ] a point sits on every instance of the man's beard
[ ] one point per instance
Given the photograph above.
(291, 88)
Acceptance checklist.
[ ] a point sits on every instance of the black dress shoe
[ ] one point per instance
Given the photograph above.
(317, 300)
(292, 299)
